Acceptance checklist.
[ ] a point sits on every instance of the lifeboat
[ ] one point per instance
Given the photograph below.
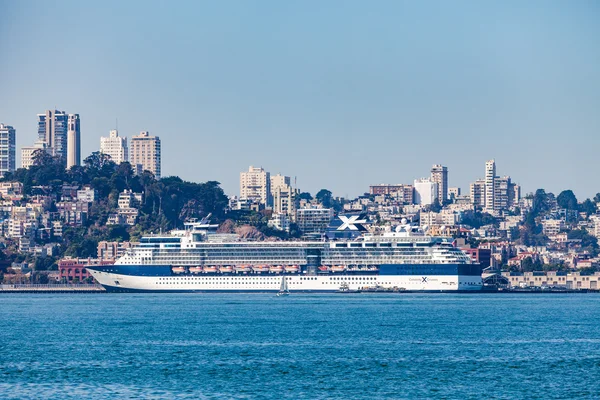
(292, 268)
(210, 268)
(226, 269)
(242, 268)
(195, 270)
(260, 268)
(276, 269)
(324, 268)
(338, 268)
(178, 270)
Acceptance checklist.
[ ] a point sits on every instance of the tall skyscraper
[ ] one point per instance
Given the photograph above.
(145, 153)
(52, 130)
(490, 186)
(73, 140)
(439, 175)
(255, 185)
(7, 149)
(115, 146)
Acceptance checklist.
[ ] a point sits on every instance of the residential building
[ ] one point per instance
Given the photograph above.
(87, 194)
(52, 130)
(478, 193)
(73, 213)
(115, 146)
(384, 189)
(145, 153)
(11, 189)
(490, 186)
(439, 175)
(73, 140)
(426, 192)
(313, 221)
(280, 221)
(28, 153)
(552, 227)
(8, 158)
(74, 269)
(453, 193)
(255, 185)
(112, 250)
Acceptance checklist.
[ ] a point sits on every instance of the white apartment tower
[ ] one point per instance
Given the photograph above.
(490, 186)
(145, 153)
(439, 175)
(426, 191)
(255, 185)
(73, 140)
(115, 146)
(7, 149)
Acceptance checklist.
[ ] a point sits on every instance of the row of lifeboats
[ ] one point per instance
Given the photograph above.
(274, 269)
(344, 268)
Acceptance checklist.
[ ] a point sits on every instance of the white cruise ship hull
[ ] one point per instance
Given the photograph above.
(296, 283)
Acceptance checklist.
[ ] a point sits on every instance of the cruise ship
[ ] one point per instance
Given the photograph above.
(198, 259)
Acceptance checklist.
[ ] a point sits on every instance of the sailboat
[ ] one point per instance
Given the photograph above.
(283, 289)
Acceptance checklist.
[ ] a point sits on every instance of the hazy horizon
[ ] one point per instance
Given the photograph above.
(341, 95)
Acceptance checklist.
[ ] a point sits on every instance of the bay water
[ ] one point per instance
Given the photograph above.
(247, 346)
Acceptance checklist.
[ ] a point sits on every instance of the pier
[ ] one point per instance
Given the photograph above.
(54, 288)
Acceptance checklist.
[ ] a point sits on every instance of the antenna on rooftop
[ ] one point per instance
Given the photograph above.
(117, 124)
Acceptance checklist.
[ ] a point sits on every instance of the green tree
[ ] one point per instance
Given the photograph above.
(436, 206)
(324, 197)
(305, 196)
(566, 199)
(597, 198)
(588, 207)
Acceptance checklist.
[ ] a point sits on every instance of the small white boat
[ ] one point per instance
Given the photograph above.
(338, 268)
(195, 270)
(283, 289)
(178, 270)
(210, 269)
(324, 268)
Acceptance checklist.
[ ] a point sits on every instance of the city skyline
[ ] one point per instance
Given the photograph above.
(361, 99)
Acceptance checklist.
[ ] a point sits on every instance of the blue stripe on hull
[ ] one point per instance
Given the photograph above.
(117, 289)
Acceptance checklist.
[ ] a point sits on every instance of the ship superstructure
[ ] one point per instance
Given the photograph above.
(199, 259)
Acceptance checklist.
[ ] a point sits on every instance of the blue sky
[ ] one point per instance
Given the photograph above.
(340, 94)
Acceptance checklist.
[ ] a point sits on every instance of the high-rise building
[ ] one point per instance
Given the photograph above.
(73, 140)
(478, 193)
(490, 187)
(426, 191)
(7, 149)
(28, 152)
(255, 185)
(145, 153)
(115, 146)
(283, 196)
(439, 175)
(52, 130)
